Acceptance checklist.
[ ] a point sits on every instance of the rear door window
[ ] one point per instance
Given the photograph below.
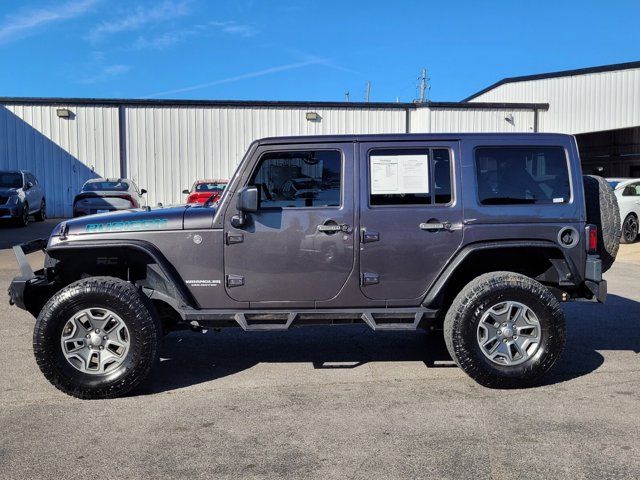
(410, 176)
(522, 175)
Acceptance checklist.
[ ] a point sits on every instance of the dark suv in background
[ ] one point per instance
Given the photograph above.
(480, 235)
(21, 195)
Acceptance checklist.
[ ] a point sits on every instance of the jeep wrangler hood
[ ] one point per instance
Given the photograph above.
(139, 220)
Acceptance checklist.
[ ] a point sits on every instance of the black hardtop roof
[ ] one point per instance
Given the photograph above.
(402, 137)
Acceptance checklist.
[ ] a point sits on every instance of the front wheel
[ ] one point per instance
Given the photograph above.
(97, 338)
(505, 330)
(23, 219)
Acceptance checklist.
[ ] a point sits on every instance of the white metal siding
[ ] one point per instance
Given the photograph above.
(62, 153)
(170, 147)
(445, 120)
(579, 103)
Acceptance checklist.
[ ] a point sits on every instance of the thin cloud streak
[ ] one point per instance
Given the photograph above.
(245, 76)
(161, 12)
(174, 37)
(25, 22)
(106, 73)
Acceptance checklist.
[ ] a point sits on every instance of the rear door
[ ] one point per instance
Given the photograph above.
(410, 216)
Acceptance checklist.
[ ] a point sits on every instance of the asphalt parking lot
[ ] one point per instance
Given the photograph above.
(332, 402)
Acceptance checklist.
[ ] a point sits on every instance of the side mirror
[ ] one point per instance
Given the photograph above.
(142, 191)
(248, 200)
(186, 192)
(247, 203)
(28, 186)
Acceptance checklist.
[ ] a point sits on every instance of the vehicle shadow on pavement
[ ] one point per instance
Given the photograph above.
(593, 328)
(192, 358)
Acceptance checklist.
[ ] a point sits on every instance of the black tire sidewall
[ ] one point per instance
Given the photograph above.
(469, 330)
(130, 307)
(475, 299)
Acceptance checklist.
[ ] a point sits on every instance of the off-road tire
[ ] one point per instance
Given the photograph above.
(41, 215)
(630, 224)
(127, 302)
(603, 211)
(466, 311)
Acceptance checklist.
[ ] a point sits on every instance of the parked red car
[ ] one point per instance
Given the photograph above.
(203, 190)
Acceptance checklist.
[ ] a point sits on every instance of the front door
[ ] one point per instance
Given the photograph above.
(298, 246)
(410, 216)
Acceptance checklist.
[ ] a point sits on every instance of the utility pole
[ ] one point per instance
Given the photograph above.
(423, 85)
(346, 96)
(367, 92)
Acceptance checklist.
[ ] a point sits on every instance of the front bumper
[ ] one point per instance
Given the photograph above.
(13, 211)
(19, 287)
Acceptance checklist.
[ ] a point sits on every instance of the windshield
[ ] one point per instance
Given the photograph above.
(10, 180)
(105, 186)
(210, 187)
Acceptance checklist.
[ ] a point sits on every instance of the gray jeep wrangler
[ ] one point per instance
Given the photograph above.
(480, 234)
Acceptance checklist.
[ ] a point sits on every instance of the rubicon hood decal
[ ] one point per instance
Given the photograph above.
(128, 225)
(138, 220)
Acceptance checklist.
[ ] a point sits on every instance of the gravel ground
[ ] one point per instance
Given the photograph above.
(332, 402)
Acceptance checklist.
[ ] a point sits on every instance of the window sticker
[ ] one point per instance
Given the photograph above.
(399, 174)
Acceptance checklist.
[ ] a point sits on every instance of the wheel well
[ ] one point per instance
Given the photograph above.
(135, 265)
(538, 263)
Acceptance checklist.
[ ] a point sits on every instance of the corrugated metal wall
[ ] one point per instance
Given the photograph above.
(170, 147)
(579, 103)
(62, 153)
(167, 147)
(444, 120)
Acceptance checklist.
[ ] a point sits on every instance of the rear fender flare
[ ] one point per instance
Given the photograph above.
(459, 259)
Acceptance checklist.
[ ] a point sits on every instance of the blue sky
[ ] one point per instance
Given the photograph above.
(302, 50)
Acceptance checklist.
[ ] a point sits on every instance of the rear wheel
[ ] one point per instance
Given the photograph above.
(41, 215)
(97, 338)
(505, 330)
(629, 229)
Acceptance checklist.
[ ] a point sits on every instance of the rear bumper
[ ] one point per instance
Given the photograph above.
(593, 278)
(597, 289)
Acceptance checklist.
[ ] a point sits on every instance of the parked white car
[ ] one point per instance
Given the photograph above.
(627, 192)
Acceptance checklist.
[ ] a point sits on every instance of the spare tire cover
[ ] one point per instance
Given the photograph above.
(602, 211)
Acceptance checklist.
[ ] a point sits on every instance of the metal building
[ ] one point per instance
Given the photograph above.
(166, 145)
(600, 105)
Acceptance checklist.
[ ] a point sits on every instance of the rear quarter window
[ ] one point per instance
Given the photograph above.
(522, 175)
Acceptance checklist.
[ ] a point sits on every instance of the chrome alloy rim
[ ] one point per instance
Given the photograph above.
(509, 333)
(630, 229)
(95, 341)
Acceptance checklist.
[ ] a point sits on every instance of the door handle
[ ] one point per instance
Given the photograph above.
(434, 226)
(334, 228)
(368, 236)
